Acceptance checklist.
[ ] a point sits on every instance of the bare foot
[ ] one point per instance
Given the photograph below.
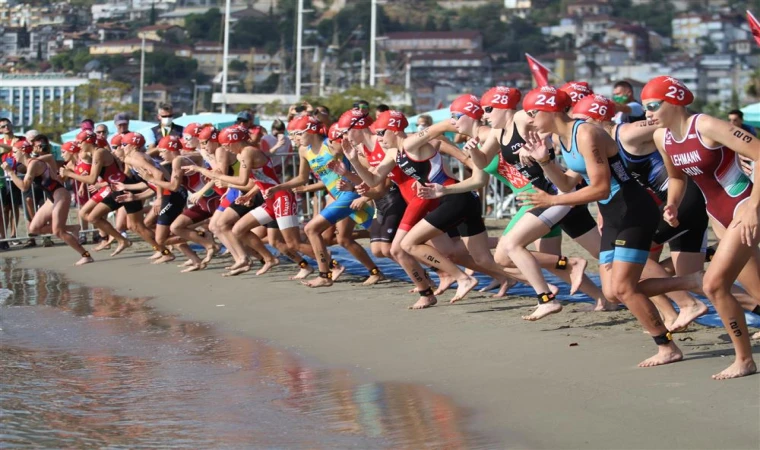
(268, 265)
(373, 279)
(194, 267)
(666, 354)
(463, 288)
(104, 245)
(318, 282)
(736, 370)
(425, 302)
(236, 272)
(187, 263)
(505, 287)
(600, 306)
(756, 335)
(337, 271)
(303, 273)
(577, 268)
(492, 285)
(125, 244)
(236, 266)
(155, 256)
(210, 253)
(553, 307)
(687, 316)
(84, 260)
(444, 282)
(164, 259)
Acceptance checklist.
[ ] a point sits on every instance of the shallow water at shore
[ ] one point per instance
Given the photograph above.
(80, 366)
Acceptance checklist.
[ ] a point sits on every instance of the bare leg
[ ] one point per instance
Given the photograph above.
(730, 259)
(414, 244)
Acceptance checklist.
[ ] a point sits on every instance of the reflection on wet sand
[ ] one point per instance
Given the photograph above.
(113, 372)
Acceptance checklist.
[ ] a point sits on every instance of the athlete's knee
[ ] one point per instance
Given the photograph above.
(35, 228)
(609, 293)
(397, 252)
(408, 245)
(344, 240)
(502, 257)
(623, 290)
(482, 258)
(715, 287)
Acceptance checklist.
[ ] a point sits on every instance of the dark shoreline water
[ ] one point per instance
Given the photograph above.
(83, 367)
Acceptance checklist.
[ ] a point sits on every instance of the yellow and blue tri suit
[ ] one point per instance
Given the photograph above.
(341, 207)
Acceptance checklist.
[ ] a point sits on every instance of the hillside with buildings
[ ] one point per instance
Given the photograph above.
(427, 51)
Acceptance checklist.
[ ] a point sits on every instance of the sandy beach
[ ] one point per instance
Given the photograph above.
(569, 381)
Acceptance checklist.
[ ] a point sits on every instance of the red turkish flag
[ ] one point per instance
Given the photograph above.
(539, 71)
(754, 26)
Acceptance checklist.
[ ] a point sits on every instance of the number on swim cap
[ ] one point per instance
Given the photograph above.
(676, 93)
(471, 107)
(544, 100)
(598, 109)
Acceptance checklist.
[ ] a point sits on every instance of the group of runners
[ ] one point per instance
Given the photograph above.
(657, 181)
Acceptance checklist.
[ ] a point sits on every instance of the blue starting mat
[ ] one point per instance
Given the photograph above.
(393, 271)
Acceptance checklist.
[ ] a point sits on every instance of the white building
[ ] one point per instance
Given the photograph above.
(26, 96)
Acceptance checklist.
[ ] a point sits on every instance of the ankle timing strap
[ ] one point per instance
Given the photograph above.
(155, 248)
(561, 263)
(334, 263)
(427, 292)
(663, 339)
(376, 271)
(86, 254)
(544, 298)
(325, 275)
(166, 252)
(303, 264)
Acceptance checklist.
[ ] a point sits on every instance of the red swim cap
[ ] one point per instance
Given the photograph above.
(87, 136)
(391, 120)
(547, 99)
(170, 143)
(233, 135)
(193, 129)
(467, 104)
(576, 90)
(356, 117)
(116, 140)
(309, 124)
(501, 97)
(668, 89)
(597, 107)
(334, 133)
(23, 146)
(132, 138)
(209, 133)
(71, 147)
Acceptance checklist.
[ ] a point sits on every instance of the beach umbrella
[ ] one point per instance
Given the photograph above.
(134, 125)
(438, 115)
(752, 114)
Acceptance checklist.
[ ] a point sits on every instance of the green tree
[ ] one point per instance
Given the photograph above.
(167, 68)
(343, 101)
(237, 66)
(430, 23)
(206, 26)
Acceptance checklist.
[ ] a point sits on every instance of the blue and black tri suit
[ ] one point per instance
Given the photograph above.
(649, 170)
(629, 214)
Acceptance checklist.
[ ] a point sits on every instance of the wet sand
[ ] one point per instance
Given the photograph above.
(528, 385)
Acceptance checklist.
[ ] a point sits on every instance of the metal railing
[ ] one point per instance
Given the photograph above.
(18, 208)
